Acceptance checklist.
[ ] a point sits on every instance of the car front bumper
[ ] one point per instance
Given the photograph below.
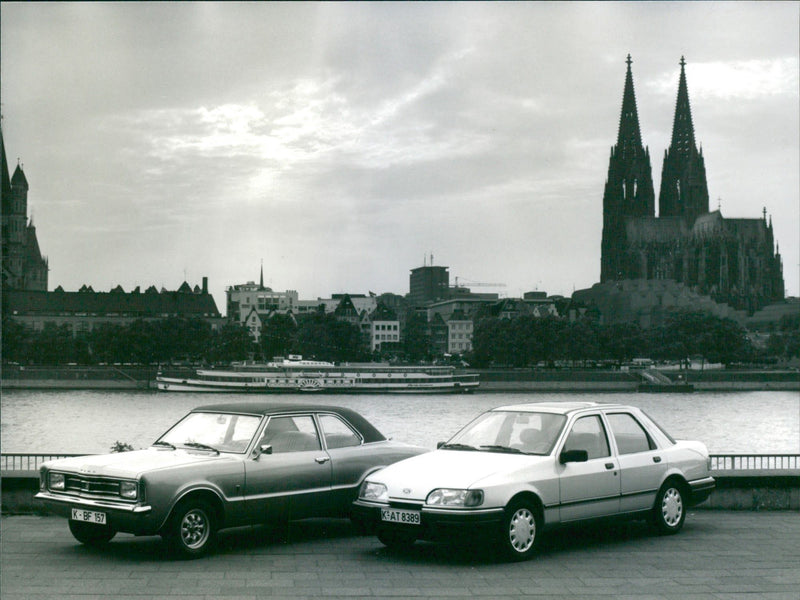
(120, 516)
(435, 523)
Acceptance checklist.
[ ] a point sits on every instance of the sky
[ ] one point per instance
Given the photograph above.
(344, 144)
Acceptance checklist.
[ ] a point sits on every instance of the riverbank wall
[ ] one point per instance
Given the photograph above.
(125, 377)
(747, 490)
(574, 380)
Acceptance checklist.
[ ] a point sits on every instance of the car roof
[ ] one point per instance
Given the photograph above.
(370, 433)
(561, 408)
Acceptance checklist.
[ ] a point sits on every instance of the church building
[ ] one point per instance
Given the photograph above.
(732, 261)
(24, 267)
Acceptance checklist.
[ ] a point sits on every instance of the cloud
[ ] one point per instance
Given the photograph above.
(735, 81)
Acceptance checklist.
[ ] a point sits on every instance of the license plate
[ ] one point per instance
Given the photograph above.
(89, 516)
(398, 515)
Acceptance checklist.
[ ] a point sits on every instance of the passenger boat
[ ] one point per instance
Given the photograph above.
(297, 375)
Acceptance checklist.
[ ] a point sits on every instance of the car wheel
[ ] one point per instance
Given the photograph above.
(520, 533)
(396, 539)
(91, 534)
(192, 529)
(669, 511)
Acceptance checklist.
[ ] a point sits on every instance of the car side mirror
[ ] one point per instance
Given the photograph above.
(440, 444)
(568, 456)
(264, 449)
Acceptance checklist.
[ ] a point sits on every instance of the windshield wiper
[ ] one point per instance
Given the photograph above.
(497, 448)
(201, 446)
(458, 447)
(163, 443)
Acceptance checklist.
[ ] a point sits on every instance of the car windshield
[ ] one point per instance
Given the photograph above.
(510, 431)
(220, 432)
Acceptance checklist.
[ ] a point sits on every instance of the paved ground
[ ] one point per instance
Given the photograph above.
(718, 555)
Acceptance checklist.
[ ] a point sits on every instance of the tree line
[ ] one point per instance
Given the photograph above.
(528, 341)
(524, 341)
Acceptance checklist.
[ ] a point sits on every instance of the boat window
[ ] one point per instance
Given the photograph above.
(337, 433)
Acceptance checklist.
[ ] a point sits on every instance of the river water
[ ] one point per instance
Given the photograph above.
(34, 421)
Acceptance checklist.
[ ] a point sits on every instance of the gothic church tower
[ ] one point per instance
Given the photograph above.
(24, 268)
(684, 191)
(629, 186)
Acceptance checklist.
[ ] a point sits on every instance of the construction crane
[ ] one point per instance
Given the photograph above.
(477, 284)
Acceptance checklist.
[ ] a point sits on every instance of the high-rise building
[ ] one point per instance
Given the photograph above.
(428, 284)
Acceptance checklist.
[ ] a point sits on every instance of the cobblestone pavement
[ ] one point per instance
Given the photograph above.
(718, 555)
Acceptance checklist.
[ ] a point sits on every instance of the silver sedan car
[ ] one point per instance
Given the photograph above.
(517, 470)
(222, 465)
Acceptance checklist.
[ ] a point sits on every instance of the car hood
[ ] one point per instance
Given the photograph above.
(415, 477)
(133, 464)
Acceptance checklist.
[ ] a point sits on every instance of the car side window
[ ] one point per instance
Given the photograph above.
(291, 434)
(337, 433)
(629, 434)
(589, 434)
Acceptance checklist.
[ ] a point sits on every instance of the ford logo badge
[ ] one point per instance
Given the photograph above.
(406, 490)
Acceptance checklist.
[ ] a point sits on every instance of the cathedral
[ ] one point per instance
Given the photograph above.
(24, 267)
(732, 261)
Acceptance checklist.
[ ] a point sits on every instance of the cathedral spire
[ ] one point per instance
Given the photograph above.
(629, 137)
(629, 186)
(682, 127)
(684, 191)
(6, 180)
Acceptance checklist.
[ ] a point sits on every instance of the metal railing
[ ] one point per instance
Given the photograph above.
(719, 462)
(27, 462)
(755, 462)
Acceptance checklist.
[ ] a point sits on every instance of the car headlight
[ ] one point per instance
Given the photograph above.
(373, 491)
(128, 489)
(449, 497)
(57, 481)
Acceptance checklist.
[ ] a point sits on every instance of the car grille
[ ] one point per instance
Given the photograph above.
(91, 486)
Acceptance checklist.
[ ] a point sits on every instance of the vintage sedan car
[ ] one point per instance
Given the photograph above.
(221, 466)
(517, 470)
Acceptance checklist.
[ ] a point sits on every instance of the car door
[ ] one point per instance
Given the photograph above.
(349, 461)
(592, 488)
(642, 464)
(292, 478)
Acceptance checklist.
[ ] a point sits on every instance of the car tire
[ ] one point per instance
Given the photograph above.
(396, 540)
(192, 529)
(91, 534)
(521, 530)
(669, 510)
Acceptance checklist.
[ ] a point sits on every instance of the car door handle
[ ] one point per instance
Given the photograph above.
(656, 459)
(322, 459)
(609, 466)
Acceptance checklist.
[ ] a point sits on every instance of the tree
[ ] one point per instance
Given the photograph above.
(278, 335)
(16, 341)
(53, 345)
(579, 341)
(416, 339)
(622, 342)
(230, 343)
(690, 333)
(327, 338)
